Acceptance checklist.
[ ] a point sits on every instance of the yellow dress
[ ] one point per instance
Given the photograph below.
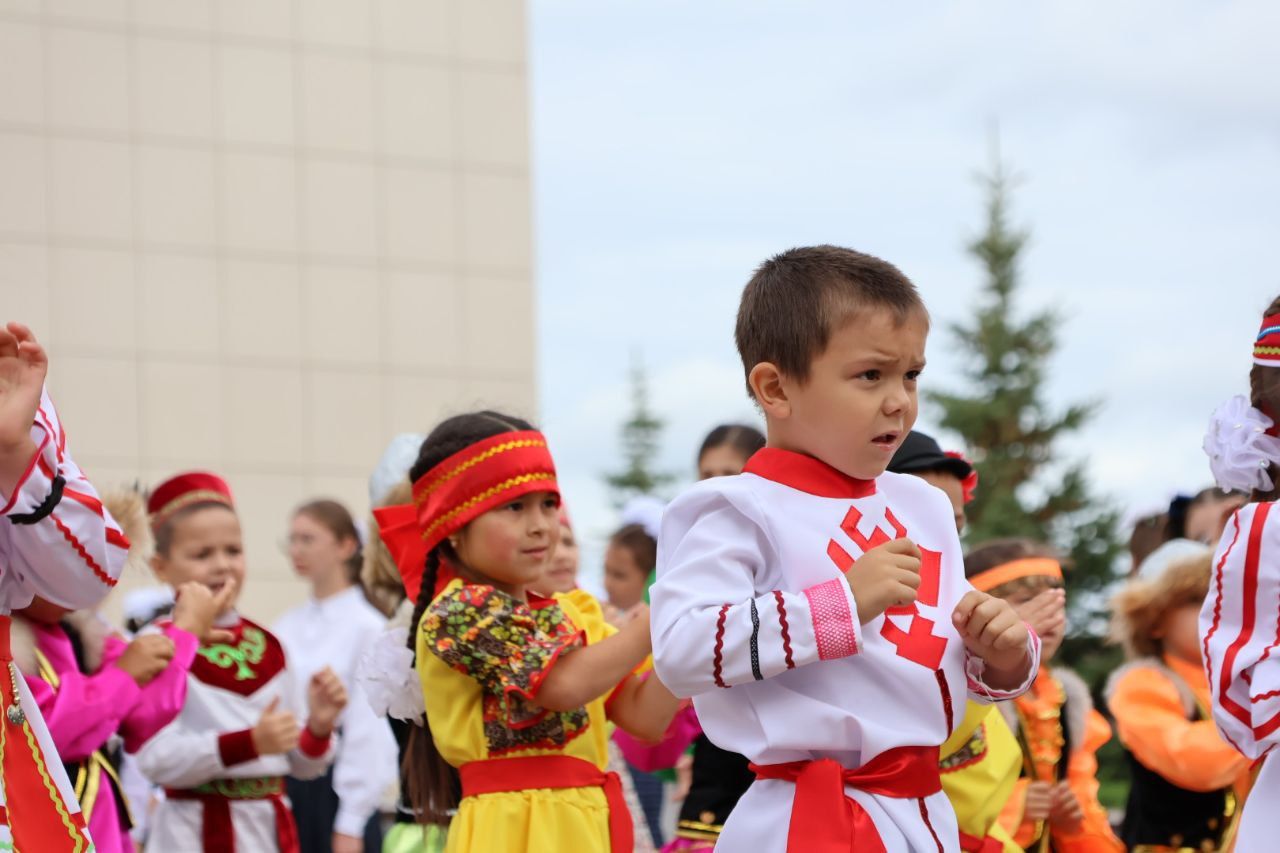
(980, 763)
(481, 657)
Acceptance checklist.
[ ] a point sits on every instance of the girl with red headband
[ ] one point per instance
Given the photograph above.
(518, 688)
(1240, 620)
(57, 543)
(223, 760)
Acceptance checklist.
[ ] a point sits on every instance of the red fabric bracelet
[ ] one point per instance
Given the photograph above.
(312, 745)
(236, 747)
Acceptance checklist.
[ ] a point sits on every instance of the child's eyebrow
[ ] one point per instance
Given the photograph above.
(883, 358)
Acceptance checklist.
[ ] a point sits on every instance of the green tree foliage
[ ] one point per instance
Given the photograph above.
(641, 440)
(1027, 488)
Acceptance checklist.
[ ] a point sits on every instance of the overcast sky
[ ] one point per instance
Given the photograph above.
(678, 145)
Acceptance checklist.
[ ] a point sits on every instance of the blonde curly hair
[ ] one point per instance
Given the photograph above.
(379, 575)
(1139, 608)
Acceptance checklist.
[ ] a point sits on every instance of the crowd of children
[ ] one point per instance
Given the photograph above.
(797, 649)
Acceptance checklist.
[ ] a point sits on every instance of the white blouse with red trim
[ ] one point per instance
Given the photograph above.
(753, 618)
(73, 554)
(1240, 630)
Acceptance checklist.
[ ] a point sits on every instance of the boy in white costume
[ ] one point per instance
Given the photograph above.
(815, 607)
(56, 542)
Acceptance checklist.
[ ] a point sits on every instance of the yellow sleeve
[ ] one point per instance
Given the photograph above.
(1153, 725)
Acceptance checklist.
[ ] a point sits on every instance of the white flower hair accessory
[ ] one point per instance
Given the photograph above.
(388, 679)
(1239, 449)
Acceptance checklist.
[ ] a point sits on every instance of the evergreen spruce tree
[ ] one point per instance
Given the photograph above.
(1026, 488)
(641, 439)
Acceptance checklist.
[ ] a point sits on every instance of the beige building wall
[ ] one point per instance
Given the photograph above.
(264, 236)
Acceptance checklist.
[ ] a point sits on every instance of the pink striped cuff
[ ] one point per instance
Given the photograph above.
(974, 667)
(832, 620)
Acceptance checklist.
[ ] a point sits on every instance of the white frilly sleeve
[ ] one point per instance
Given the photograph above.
(1240, 631)
(717, 619)
(56, 541)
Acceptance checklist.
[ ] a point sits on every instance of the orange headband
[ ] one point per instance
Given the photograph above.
(1031, 567)
(463, 487)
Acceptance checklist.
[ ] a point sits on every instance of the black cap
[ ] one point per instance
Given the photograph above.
(920, 453)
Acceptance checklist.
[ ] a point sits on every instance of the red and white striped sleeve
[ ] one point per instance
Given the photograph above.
(56, 539)
(718, 621)
(1240, 630)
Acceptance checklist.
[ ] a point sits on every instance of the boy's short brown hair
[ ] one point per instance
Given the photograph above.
(796, 299)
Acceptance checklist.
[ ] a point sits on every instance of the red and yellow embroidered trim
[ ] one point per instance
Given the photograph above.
(463, 467)
(522, 480)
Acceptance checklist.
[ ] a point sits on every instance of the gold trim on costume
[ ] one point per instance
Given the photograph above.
(474, 461)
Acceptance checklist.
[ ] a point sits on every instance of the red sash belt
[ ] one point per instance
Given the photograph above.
(217, 830)
(824, 820)
(504, 775)
(986, 844)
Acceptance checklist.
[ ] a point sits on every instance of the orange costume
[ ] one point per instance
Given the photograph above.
(1054, 717)
(1161, 709)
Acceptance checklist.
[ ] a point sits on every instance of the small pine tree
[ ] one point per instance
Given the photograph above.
(641, 438)
(1027, 489)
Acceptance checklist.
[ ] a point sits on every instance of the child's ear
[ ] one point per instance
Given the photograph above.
(767, 385)
(160, 566)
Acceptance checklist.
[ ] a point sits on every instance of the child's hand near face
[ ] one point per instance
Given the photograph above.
(326, 697)
(1046, 613)
(1047, 616)
(992, 630)
(196, 607)
(884, 577)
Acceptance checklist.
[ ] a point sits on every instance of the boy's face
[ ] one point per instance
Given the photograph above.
(1179, 632)
(206, 548)
(952, 488)
(859, 402)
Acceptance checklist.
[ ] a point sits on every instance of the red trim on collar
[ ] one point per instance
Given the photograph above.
(806, 474)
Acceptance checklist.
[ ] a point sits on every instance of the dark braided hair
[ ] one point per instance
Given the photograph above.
(432, 783)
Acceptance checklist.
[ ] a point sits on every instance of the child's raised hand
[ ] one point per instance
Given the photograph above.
(146, 657)
(992, 630)
(1039, 801)
(276, 732)
(1046, 613)
(326, 697)
(23, 365)
(1064, 808)
(195, 607)
(885, 577)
